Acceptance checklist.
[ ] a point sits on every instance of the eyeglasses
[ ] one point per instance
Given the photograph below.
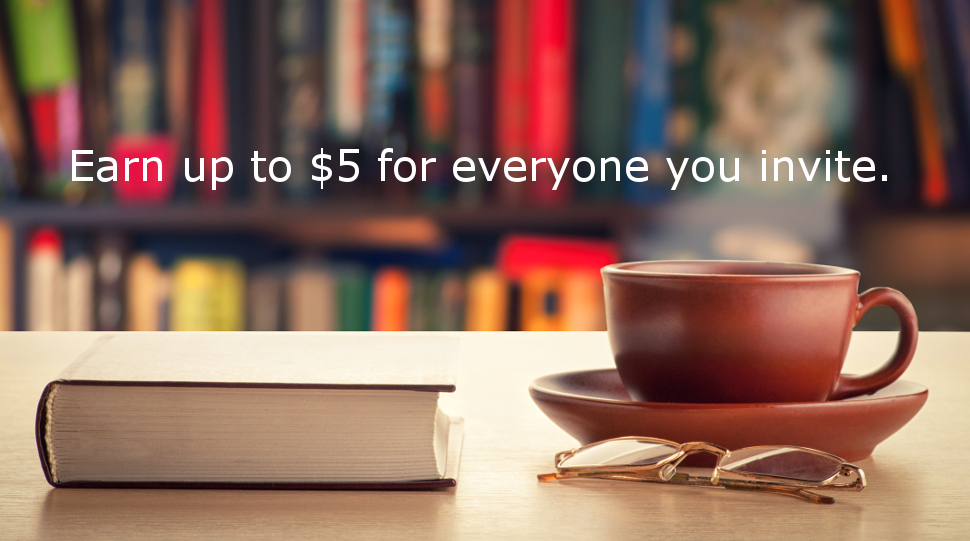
(785, 470)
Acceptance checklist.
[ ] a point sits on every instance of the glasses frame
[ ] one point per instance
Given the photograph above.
(849, 477)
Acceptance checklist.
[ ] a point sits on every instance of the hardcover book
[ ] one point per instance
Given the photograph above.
(253, 410)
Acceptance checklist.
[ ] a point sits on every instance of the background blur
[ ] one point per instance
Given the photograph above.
(176, 79)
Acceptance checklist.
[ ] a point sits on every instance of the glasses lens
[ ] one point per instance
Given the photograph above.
(621, 453)
(787, 462)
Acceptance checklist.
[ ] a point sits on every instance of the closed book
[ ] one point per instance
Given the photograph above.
(602, 43)
(220, 410)
(390, 298)
(177, 29)
(264, 89)
(45, 281)
(208, 294)
(311, 299)
(649, 94)
(550, 91)
(511, 90)
(447, 301)
(487, 305)
(434, 95)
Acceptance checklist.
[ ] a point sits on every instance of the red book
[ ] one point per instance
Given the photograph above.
(550, 122)
(212, 114)
(511, 85)
(520, 254)
(135, 188)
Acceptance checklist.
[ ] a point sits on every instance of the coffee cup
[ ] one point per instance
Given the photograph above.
(744, 331)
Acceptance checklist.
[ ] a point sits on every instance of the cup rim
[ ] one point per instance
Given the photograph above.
(813, 271)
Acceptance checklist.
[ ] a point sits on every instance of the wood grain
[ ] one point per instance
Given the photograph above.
(917, 479)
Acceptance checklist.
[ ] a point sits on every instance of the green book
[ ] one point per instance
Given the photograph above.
(353, 298)
(602, 115)
(44, 43)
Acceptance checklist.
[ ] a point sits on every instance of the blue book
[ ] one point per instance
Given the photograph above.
(650, 96)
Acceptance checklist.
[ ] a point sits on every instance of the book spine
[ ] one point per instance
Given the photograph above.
(434, 93)
(311, 300)
(347, 64)
(264, 91)
(472, 83)
(511, 90)
(136, 70)
(239, 100)
(94, 57)
(907, 57)
(299, 25)
(13, 141)
(550, 89)
(602, 108)
(487, 306)
(211, 101)
(143, 301)
(7, 262)
(78, 286)
(208, 294)
(179, 41)
(649, 92)
(45, 281)
(109, 257)
(265, 301)
(391, 294)
(353, 299)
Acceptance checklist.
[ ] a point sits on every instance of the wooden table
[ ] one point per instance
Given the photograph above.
(919, 480)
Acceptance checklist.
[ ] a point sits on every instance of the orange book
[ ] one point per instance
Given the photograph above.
(6, 277)
(391, 305)
(487, 306)
(906, 55)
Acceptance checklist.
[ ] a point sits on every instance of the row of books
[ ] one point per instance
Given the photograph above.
(78, 283)
(440, 78)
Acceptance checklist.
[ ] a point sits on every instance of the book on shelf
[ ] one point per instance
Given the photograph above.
(7, 262)
(486, 308)
(211, 99)
(511, 129)
(78, 285)
(223, 410)
(472, 91)
(13, 139)
(44, 271)
(208, 294)
(311, 299)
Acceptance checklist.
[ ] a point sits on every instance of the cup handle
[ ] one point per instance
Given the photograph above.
(849, 386)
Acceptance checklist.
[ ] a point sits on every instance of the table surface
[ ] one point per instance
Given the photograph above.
(919, 480)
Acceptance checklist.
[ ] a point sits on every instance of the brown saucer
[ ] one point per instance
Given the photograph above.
(593, 405)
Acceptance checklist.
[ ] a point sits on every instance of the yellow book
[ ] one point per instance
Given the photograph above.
(208, 295)
(487, 307)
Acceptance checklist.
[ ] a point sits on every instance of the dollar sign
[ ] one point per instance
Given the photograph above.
(325, 172)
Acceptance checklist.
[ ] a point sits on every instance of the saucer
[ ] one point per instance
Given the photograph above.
(592, 405)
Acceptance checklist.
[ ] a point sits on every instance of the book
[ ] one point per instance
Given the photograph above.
(78, 285)
(109, 257)
(601, 88)
(487, 305)
(211, 96)
(143, 293)
(265, 300)
(299, 25)
(136, 69)
(45, 280)
(13, 140)
(222, 410)
(391, 294)
(511, 101)
(447, 301)
(353, 298)
(472, 92)
(311, 299)
(238, 96)
(208, 294)
(178, 42)
(7, 262)
(264, 91)
(550, 91)
(649, 94)
(347, 67)
(434, 95)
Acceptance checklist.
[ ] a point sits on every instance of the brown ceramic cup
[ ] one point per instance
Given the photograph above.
(739, 331)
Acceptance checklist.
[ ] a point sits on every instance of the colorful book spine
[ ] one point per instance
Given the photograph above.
(208, 294)
(487, 306)
(906, 55)
(472, 83)
(7, 262)
(13, 144)
(550, 91)
(434, 93)
(347, 69)
(211, 91)
(136, 71)
(179, 41)
(391, 298)
(389, 83)
(45, 281)
(649, 92)
(46, 55)
(353, 298)
(511, 135)
(448, 301)
(601, 102)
